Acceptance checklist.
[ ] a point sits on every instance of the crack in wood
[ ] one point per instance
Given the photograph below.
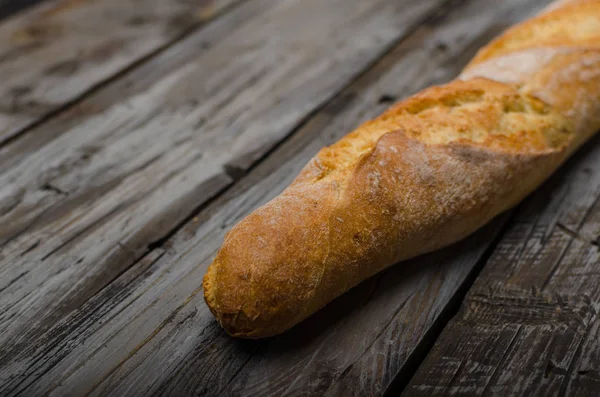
(589, 373)
(14, 280)
(519, 309)
(558, 262)
(387, 99)
(30, 248)
(552, 368)
(51, 188)
(577, 236)
(509, 350)
(574, 362)
(234, 171)
(458, 371)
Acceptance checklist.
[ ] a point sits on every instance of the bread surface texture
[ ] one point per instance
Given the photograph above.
(428, 172)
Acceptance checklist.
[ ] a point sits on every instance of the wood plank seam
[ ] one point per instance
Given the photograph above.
(577, 236)
(452, 309)
(507, 353)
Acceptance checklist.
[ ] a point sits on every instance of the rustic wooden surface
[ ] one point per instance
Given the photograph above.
(55, 53)
(117, 182)
(116, 193)
(529, 325)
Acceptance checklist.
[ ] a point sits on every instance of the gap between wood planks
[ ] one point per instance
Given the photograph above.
(422, 350)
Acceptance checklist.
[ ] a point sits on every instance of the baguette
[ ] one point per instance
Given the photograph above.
(428, 172)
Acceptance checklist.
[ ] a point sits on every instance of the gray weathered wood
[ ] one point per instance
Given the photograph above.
(85, 205)
(529, 326)
(149, 331)
(55, 52)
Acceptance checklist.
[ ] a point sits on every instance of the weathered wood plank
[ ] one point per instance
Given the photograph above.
(85, 205)
(53, 53)
(150, 331)
(71, 235)
(529, 326)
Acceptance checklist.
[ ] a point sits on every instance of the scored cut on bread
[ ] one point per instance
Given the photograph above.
(428, 172)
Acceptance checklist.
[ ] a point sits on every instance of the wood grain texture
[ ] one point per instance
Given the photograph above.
(89, 193)
(149, 331)
(529, 326)
(53, 53)
(90, 234)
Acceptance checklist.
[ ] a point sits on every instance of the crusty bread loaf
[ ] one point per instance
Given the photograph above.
(428, 172)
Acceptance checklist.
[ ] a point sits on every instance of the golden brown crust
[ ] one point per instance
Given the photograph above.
(428, 172)
(572, 24)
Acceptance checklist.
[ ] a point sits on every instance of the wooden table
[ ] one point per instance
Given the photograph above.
(135, 133)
